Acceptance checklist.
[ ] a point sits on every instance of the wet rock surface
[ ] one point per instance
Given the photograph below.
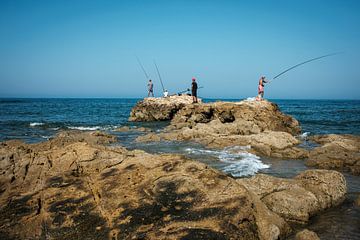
(259, 124)
(296, 200)
(75, 187)
(336, 152)
(159, 109)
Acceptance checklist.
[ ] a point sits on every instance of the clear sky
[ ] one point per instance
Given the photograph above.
(87, 48)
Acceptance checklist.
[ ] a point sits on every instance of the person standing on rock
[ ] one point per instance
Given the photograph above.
(194, 88)
(150, 88)
(262, 82)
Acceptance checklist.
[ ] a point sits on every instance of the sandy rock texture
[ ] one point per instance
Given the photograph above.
(296, 200)
(159, 109)
(259, 124)
(306, 235)
(75, 186)
(336, 152)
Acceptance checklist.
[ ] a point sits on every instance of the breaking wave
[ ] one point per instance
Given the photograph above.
(237, 161)
(34, 124)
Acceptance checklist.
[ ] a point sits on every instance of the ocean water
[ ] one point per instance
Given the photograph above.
(34, 120)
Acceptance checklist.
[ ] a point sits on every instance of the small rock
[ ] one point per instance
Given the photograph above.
(306, 235)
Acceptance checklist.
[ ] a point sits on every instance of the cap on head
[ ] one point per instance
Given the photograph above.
(263, 77)
(193, 79)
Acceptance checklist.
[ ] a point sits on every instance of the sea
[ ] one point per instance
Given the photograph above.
(34, 120)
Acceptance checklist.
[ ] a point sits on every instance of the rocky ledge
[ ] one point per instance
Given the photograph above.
(76, 186)
(159, 109)
(336, 152)
(258, 124)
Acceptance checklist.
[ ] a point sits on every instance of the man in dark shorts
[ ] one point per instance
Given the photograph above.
(150, 88)
(194, 88)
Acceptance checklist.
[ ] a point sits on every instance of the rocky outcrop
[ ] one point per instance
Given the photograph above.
(336, 152)
(296, 200)
(306, 235)
(236, 118)
(159, 109)
(74, 187)
(258, 124)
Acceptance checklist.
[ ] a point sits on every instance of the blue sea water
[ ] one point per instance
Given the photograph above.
(34, 120)
(37, 119)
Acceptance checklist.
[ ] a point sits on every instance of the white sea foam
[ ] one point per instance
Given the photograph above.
(34, 124)
(304, 136)
(86, 128)
(250, 99)
(237, 160)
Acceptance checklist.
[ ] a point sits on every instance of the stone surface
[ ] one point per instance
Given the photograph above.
(296, 200)
(306, 235)
(258, 124)
(357, 201)
(75, 187)
(336, 152)
(159, 109)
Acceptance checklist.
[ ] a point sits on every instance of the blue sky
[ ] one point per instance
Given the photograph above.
(87, 48)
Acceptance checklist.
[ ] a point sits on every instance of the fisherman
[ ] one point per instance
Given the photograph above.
(194, 88)
(166, 93)
(262, 82)
(150, 88)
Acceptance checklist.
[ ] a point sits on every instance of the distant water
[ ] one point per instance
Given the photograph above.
(34, 120)
(37, 119)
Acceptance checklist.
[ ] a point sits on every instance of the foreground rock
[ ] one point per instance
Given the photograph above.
(306, 235)
(159, 109)
(74, 187)
(258, 124)
(296, 200)
(336, 152)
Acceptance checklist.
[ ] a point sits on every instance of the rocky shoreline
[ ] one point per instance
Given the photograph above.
(81, 185)
(77, 186)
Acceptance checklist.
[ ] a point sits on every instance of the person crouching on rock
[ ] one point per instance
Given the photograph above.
(194, 88)
(150, 88)
(262, 82)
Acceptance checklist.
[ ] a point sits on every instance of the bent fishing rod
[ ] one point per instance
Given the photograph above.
(157, 69)
(142, 67)
(302, 63)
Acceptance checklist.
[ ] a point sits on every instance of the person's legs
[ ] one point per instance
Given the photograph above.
(262, 95)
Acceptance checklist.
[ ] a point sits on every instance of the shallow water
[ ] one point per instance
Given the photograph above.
(34, 120)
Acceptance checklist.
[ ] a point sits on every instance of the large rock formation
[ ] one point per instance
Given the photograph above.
(336, 152)
(159, 109)
(74, 187)
(296, 200)
(259, 124)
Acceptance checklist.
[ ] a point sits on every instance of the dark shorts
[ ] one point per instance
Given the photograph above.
(194, 93)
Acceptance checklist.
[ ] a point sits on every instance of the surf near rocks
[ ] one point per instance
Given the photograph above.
(259, 124)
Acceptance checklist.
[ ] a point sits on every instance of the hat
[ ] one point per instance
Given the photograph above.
(193, 79)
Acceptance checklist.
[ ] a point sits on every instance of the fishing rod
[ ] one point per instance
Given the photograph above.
(299, 64)
(142, 67)
(187, 90)
(157, 69)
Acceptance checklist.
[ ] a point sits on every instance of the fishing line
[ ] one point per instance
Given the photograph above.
(310, 60)
(157, 69)
(142, 67)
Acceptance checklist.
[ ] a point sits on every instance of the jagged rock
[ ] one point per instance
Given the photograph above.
(74, 187)
(296, 200)
(258, 124)
(245, 117)
(159, 109)
(306, 235)
(336, 152)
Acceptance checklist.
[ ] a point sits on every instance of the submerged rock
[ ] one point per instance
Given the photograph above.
(306, 235)
(336, 152)
(296, 200)
(159, 109)
(74, 187)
